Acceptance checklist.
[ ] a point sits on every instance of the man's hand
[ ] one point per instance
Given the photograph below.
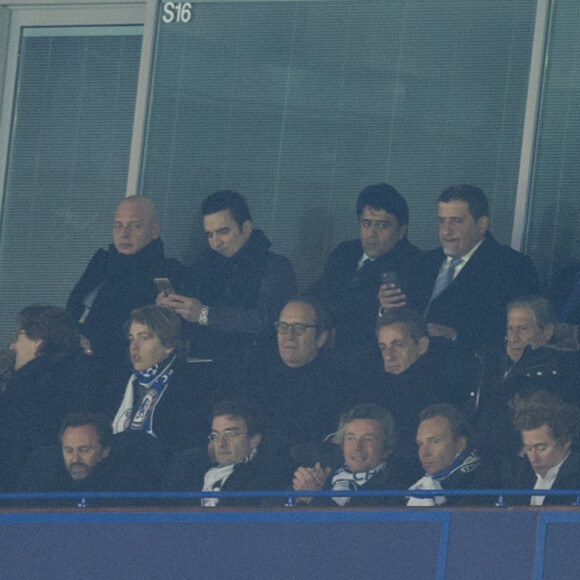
(441, 330)
(309, 479)
(390, 296)
(188, 308)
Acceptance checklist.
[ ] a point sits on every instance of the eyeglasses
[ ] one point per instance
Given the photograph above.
(228, 435)
(297, 327)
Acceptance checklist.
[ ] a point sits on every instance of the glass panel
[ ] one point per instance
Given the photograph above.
(299, 105)
(553, 235)
(68, 159)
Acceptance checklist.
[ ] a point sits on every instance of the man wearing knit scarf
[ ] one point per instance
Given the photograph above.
(444, 452)
(367, 436)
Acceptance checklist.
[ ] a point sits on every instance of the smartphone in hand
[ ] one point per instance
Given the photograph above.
(164, 285)
(390, 279)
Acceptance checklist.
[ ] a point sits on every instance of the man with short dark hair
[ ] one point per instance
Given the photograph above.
(120, 279)
(418, 370)
(549, 429)
(353, 273)
(464, 286)
(238, 287)
(238, 459)
(367, 437)
(449, 461)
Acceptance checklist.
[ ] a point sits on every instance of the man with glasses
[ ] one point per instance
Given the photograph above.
(240, 462)
(301, 387)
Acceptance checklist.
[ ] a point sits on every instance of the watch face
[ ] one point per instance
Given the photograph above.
(203, 315)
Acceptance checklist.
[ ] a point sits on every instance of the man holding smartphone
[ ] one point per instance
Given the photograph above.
(354, 271)
(238, 286)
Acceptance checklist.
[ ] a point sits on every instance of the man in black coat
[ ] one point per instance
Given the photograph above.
(464, 286)
(237, 460)
(301, 384)
(120, 279)
(84, 462)
(526, 364)
(353, 272)
(416, 371)
(549, 430)
(239, 286)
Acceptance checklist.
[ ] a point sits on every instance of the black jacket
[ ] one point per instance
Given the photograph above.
(544, 368)
(244, 293)
(522, 476)
(268, 471)
(125, 282)
(351, 295)
(36, 400)
(474, 304)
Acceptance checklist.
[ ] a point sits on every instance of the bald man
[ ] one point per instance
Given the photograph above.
(120, 279)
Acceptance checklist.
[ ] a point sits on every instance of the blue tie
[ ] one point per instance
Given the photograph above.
(444, 280)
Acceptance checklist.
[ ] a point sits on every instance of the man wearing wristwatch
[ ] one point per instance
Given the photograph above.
(238, 287)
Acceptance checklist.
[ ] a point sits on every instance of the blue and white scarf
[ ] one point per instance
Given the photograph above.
(155, 379)
(345, 480)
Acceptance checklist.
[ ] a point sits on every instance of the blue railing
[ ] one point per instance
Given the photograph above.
(84, 499)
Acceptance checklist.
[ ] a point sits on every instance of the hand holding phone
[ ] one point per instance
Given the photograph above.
(390, 294)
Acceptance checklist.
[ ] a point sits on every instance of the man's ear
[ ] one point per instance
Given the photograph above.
(387, 453)
(255, 440)
(483, 224)
(423, 345)
(106, 452)
(461, 443)
(321, 339)
(247, 228)
(548, 331)
(38, 343)
(155, 230)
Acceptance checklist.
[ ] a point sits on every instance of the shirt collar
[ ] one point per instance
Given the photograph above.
(465, 258)
(553, 472)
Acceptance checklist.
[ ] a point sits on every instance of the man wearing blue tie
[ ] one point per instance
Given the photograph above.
(464, 286)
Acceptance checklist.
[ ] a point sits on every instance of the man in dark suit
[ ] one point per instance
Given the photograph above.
(238, 459)
(352, 274)
(549, 430)
(465, 285)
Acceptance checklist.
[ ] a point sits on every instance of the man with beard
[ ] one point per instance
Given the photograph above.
(81, 463)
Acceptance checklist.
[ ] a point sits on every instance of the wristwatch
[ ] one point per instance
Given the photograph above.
(204, 316)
